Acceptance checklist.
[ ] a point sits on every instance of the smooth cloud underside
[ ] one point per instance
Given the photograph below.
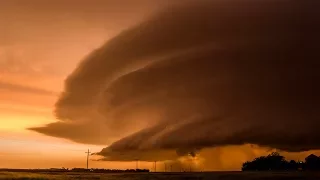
(204, 74)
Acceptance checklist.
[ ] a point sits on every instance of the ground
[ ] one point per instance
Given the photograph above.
(165, 176)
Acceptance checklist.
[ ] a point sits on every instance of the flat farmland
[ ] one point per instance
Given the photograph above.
(163, 176)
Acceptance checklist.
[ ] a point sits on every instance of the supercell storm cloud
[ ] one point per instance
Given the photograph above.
(203, 74)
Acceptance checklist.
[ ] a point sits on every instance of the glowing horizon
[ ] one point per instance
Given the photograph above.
(141, 84)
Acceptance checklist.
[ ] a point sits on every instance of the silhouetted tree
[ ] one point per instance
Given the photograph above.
(276, 162)
(312, 162)
(293, 165)
(273, 161)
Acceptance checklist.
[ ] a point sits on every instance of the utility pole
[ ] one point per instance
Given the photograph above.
(137, 163)
(155, 166)
(88, 154)
(170, 168)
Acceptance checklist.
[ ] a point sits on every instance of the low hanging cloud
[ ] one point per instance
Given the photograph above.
(199, 75)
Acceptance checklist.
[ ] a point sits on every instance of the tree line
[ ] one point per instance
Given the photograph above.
(276, 162)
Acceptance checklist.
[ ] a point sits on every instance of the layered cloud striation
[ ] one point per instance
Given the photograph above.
(203, 74)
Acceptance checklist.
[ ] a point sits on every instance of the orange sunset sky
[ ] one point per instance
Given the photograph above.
(41, 43)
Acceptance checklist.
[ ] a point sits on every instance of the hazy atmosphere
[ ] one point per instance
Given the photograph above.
(207, 83)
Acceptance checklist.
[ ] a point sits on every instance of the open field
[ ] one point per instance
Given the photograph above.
(164, 176)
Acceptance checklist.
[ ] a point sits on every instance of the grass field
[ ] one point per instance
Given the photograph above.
(164, 176)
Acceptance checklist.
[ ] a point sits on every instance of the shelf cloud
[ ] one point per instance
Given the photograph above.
(199, 75)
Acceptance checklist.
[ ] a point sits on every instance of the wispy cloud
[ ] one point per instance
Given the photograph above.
(26, 89)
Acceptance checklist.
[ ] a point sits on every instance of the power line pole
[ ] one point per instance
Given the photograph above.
(88, 154)
(155, 166)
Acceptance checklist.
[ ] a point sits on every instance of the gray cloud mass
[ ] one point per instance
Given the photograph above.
(203, 74)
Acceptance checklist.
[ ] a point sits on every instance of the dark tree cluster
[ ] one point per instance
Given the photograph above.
(276, 162)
